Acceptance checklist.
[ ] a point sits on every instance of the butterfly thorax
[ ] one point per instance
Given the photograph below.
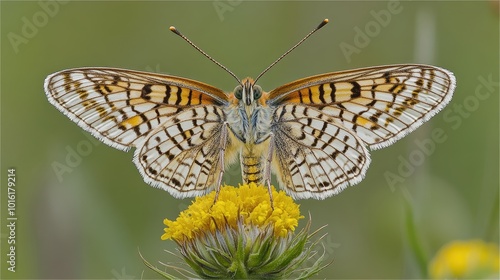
(248, 119)
(248, 116)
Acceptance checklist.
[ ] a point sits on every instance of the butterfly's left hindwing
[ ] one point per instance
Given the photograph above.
(182, 156)
(175, 123)
(380, 104)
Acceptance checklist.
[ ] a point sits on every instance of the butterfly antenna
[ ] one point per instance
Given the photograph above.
(323, 23)
(173, 29)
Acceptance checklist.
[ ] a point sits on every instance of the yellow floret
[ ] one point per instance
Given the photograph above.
(251, 203)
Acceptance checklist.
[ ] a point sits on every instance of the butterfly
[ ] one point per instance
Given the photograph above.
(313, 133)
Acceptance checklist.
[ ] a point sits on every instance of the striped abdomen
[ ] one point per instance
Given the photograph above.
(252, 165)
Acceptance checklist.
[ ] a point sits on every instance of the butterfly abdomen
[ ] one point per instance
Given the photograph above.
(252, 163)
(251, 169)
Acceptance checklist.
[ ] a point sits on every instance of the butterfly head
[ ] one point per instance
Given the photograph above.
(248, 92)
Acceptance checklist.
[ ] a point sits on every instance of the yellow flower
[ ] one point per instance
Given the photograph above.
(250, 202)
(465, 260)
(242, 237)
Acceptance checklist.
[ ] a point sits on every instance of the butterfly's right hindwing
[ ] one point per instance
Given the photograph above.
(315, 157)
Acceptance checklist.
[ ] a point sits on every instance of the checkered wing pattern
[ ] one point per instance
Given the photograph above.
(327, 120)
(173, 122)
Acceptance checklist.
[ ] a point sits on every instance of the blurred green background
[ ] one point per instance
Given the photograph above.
(90, 221)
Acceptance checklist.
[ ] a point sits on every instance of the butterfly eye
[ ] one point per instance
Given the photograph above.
(257, 92)
(238, 92)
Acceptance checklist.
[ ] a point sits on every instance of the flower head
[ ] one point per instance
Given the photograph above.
(241, 236)
(248, 204)
(465, 260)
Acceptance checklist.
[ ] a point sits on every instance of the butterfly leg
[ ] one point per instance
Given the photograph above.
(267, 172)
(222, 151)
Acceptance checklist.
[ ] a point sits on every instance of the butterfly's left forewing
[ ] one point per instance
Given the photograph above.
(176, 124)
(119, 106)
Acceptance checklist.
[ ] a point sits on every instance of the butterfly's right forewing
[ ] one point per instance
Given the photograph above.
(380, 104)
(325, 121)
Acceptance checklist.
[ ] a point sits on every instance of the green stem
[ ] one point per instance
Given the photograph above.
(492, 226)
(413, 240)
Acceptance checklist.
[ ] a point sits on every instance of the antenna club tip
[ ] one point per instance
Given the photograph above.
(173, 29)
(323, 23)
